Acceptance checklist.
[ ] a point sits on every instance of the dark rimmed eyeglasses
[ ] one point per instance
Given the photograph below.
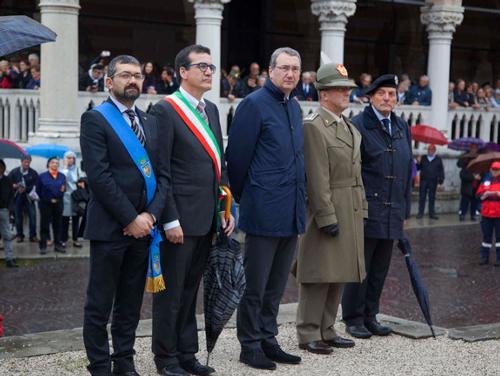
(127, 76)
(202, 66)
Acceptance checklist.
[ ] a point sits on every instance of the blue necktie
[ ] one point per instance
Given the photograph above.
(387, 125)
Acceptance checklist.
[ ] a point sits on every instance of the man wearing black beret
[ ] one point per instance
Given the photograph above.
(386, 169)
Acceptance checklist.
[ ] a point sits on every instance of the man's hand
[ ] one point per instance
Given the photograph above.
(227, 226)
(175, 235)
(332, 230)
(140, 227)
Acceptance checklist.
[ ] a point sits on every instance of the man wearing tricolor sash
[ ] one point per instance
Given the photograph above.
(128, 180)
(197, 168)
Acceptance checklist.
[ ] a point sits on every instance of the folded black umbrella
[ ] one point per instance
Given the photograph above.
(224, 284)
(417, 282)
(20, 32)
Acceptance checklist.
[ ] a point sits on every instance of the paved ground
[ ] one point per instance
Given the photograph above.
(381, 356)
(48, 294)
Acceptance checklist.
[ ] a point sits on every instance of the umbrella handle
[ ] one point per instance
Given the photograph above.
(229, 198)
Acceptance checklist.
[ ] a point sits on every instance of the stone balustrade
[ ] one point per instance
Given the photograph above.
(19, 114)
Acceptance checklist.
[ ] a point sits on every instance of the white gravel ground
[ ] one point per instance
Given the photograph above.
(393, 355)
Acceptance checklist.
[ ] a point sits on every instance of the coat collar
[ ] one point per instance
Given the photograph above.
(274, 91)
(374, 123)
(342, 127)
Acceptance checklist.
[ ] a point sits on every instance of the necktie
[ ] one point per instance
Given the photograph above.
(135, 127)
(201, 109)
(387, 125)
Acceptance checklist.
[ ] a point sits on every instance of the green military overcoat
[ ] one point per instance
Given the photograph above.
(335, 194)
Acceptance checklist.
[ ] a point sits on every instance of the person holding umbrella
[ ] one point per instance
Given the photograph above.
(331, 251)
(6, 197)
(489, 194)
(386, 169)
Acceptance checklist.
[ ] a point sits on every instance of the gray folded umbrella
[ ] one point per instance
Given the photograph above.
(20, 32)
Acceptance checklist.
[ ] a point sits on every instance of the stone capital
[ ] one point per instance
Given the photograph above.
(441, 20)
(209, 7)
(59, 6)
(333, 14)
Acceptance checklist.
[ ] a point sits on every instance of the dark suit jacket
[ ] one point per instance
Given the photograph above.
(117, 188)
(192, 195)
(431, 171)
(312, 94)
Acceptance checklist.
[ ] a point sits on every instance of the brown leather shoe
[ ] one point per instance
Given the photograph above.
(339, 342)
(316, 347)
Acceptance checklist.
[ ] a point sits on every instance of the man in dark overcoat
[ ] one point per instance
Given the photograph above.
(265, 160)
(386, 169)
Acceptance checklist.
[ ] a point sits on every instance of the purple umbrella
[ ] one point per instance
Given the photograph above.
(465, 143)
(492, 146)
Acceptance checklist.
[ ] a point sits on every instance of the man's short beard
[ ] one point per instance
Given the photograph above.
(128, 96)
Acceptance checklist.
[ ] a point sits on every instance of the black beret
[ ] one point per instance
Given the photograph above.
(386, 80)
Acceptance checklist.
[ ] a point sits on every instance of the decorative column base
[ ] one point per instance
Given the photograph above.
(57, 131)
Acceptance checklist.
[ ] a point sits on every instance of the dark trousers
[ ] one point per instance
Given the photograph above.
(488, 226)
(360, 302)
(175, 333)
(75, 227)
(267, 266)
(465, 201)
(427, 186)
(50, 213)
(116, 283)
(22, 204)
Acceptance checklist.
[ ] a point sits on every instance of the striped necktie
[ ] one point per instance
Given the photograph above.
(135, 127)
(201, 109)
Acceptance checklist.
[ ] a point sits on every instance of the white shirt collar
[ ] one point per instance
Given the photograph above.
(121, 106)
(380, 117)
(192, 100)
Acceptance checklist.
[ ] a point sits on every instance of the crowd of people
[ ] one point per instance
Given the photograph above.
(473, 95)
(238, 83)
(22, 74)
(58, 194)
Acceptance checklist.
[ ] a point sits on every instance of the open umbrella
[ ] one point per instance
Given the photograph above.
(481, 164)
(48, 150)
(491, 146)
(428, 135)
(416, 281)
(20, 32)
(9, 149)
(223, 282)
(465, 143)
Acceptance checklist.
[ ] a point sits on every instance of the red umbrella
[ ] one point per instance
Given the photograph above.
(428, 135)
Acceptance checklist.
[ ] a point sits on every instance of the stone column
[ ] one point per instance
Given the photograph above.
(441, 19)
(208, 15)
(59, 113)
(333, 16)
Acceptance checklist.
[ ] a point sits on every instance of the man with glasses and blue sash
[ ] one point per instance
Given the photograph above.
(128, 180)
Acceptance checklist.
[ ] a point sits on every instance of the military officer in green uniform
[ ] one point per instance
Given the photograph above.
(331, 251)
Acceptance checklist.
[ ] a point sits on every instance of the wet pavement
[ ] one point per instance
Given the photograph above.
(48, 294)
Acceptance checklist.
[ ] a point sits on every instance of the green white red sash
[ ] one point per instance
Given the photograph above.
(198, 126)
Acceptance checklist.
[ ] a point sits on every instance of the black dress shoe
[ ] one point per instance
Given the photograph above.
(172, 370)
(433, 216)
(483, 261)
(316, 347)
(127, 373)
(276, 354)
(11, 264)
(377, 328)
(420, 216)
(257, 359)
(194, 367)
(340, 342)
(59, 248)
(358, 331)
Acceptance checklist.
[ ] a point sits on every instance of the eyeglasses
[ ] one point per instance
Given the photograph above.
(127, 76)
(202, 66)
(286, 68)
